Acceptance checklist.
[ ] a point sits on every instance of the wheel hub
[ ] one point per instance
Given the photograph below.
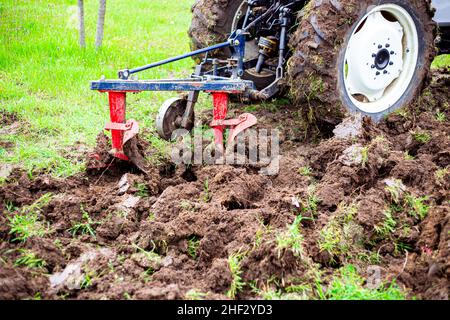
(382, 59)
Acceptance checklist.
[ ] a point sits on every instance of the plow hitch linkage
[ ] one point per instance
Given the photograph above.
(223, 77)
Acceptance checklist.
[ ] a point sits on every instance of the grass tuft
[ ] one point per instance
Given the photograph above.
(349, 285)
(30, 260)
(26, 223)
(237, 284)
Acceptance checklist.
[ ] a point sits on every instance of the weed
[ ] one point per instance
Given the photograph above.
(309, 205)
(194, 294)
(441, 61)
(271, 292)
(364, 156)
(188, 206)
(337, 237)
(408, 157)
(421, 137)
(348, 285)
(147, 274)
(151, 216)
(127, 296)
(291, 238)
(305, 171)
(26, 223)
(401, 247)
(37, 296)
(83, 227)
(388, 225)
(440, 116)
(440, 175)
(150, 255)
(9, 206)
(193, 243)
(237, 284)
(417, 207)
(403, 112)
(331, 238)
(87, 281)
(261, 232)
(142, 190)
(29, 259)
(206, 196)
(396, 188)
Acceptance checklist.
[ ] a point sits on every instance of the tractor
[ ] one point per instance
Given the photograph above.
(365, 56)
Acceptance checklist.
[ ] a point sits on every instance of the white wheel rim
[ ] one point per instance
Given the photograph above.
(381, 58)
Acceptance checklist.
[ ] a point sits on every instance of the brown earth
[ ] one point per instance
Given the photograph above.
(233, 209)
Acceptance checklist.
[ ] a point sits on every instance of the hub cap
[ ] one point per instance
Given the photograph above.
(380, 58)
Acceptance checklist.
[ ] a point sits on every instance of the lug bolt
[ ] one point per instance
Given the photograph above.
(378, 73)
(373, 55)
(392, 52)
(380, 46)
(391, 63)
(372, 66)
(387, 45)
(385, 72)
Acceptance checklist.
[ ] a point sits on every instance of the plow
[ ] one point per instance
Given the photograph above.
(378, 67)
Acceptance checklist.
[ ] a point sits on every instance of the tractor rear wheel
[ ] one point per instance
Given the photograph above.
(212, 23)
(367, 56)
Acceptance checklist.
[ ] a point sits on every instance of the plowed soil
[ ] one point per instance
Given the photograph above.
(193, 218)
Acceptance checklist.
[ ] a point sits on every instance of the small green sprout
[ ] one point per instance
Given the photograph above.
(193, 243)
(84, 227)
(237, 284)
(29, 259)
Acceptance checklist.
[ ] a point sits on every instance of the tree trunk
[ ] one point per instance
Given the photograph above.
(100, 23)
(81, 29)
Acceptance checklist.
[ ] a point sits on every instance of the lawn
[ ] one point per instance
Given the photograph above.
(44, 74)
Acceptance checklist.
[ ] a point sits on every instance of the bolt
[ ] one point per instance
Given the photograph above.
(387, 45)
(378, 73)
(372, 66)
(407, 50)
(385, 72)
(373, 55)
(391, 63)
(380, 46)
(392, 52)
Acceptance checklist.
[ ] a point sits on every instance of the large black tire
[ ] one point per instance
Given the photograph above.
(315, 70)
(212, 23)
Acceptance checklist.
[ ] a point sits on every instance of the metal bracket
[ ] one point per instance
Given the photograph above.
(237, 125)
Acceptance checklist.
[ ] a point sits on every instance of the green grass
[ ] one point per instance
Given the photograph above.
(30, 260)
(27, 223)
(193, 243)
(349, 285)
(292, 238)
(237, 284)
(44, 75)
(442, 61)
(417, 206)
(83, 227)
(195, 294)
(305, 171)
(388, 225)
